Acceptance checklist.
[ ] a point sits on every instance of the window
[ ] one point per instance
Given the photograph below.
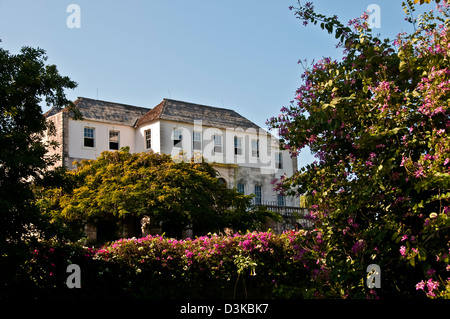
(279, 160)
(255, 148)
(281, 201)
(217, 143)
(113, 140)
(237, 145)
(148, 139)
(197, 141)
(222, 182)
(258, 195)
(89, 136)
(177, 138)
(241, 188)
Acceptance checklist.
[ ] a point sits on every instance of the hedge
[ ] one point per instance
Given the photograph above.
(251, 265)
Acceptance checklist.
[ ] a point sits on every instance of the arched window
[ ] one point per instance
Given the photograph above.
(222, 182)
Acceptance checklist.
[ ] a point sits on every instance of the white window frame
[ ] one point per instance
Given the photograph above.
(148, 138)
(279, 160)
(197, 141)
(255, 148)
(109, 140)
(218, 144)
(177, 135)
(238, 146)
(89, 137)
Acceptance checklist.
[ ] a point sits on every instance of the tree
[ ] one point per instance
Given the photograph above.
(123, 187)
(378, 123)
(25, 80)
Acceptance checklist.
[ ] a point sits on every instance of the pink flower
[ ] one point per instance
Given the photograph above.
(358, 246)
(431, 272)
(420, 173)
(246, 244)
(404, 160)
(432, 285)
(403, 251)
(420, 285)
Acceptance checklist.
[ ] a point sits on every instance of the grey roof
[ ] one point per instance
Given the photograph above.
(168, 109)
(52, 111)
(186, 112)
(108, 112)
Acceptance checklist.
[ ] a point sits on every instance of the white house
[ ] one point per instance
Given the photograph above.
(246, 156)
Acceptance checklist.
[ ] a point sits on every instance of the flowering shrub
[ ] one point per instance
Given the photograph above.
(44, 274)
(295, 264)
(251, 265)
(378, 123)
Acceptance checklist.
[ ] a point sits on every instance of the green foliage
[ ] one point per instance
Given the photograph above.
(378, 123)
(118, 186)
(25, 81)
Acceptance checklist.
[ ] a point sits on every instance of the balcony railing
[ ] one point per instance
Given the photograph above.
(292, 216)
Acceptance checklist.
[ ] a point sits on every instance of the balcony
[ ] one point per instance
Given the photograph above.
(293, 217)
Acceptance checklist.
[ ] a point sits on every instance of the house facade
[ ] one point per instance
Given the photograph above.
(246, 156)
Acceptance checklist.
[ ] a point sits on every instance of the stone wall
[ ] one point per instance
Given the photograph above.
(60, 135)
(56, 134)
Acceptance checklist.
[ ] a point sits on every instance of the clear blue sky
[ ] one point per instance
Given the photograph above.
(238, 54)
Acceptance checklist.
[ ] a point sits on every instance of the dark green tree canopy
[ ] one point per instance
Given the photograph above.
(25, 81)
